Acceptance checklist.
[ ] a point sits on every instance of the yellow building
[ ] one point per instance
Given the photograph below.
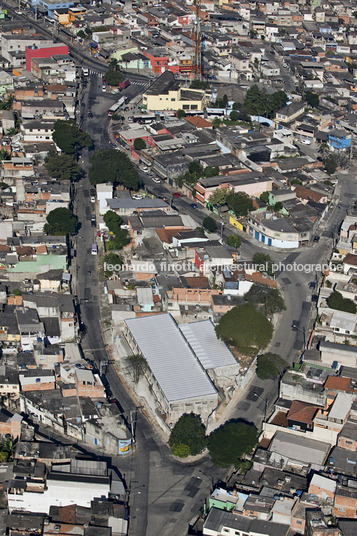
(166, 94)
(76, 13)
(61, 16)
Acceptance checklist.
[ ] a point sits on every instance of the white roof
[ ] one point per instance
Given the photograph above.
(341, 406)
(170, 358)
(343, 320)
(324, 483)
(210, 351)
(144, 295)
(299, 448)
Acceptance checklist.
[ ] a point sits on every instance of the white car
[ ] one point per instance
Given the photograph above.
(145, 168)
(306, 142)
(137, 196)
(156, 179)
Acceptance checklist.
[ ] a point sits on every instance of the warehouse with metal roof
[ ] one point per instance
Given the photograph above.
(179, 382)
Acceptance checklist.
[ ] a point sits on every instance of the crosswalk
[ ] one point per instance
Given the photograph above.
(138, 83)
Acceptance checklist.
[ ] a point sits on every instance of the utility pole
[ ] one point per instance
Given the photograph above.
(197, 53)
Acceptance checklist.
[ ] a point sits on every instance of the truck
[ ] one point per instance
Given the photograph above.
(124, 84)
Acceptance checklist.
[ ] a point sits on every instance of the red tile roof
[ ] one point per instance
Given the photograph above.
(302, 412)
(199, 122)
(337, 383)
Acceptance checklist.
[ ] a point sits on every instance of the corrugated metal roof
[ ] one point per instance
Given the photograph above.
(210, 351)
(170, 358)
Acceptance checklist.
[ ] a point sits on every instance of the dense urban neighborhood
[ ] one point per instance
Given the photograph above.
(178, 268)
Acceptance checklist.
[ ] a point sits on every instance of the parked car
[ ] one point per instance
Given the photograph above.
(90, 115)
(145, 169)
(316, 238)
(156, 179)
(193, 205)
(136, 196)
(177, 194)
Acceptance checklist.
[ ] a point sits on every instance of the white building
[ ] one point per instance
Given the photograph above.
(104, 192)
(177, 378)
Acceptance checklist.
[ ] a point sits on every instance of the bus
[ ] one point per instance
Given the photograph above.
(216, 112)
(94, 249)
(113, 109)
(145, 118)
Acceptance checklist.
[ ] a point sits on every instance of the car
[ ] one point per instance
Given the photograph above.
(145, 169)
(193, 205)
(316, 238)
(305, 142)
(137, 196)
(156, 179)
(90, 115)
(177, 194)
(99, 234)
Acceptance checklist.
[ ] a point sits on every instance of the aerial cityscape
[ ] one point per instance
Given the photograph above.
(178, 268)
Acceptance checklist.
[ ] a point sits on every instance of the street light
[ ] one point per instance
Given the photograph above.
(265, 400)
(294, 326)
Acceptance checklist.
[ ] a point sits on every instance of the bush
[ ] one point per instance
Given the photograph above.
(139, 144)
(337, 301)
(269, 366)
(231, 442)
(189, 432)
(234, 241)
(210, 224)
(246, 328)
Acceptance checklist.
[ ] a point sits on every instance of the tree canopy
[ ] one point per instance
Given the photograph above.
(267, 299)
(199, 84)
(180, 113)
(264, 197)
(69, 138)
(60, 221)
(263, 262)
(114, 166)
(139, 144)
(240, 203)
(231, 442)
(218, 197)
(210, 224)
(113, 76)
(190, 432)
(330, 163)
(121, 237)
(111, 259)
(196, 171)
(270, 366)
(312, 99)
(63, 167)
(246, 328)
(337, 301)
(234, 241)
(258, 102)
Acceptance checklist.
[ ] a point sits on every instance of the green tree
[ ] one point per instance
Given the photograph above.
(270, 366)
(114, 166)
(121, 236)
(337, 301)
(231, 442)
(276, 101)
(112, 220)
(139, 144)
(330, 164)
(234, 241)
(234, 115)
(312, 99)
(180, 450)
(64, 167)
(189, 431)
(137, 366)
(210, 224)
(195, 168)
(255, 102)
(199, 84)
(264, 262)
(180, 113)
(60, 221)
(264, 197)
(278, 206)
(240, 203)
(267, 299)
(69, 138)
(82, 35)
(216, 122)
(210, 171)
(111, 260)
(7, 103)
(246, 328)
(218, 197)
(7, 449)
(113, 76)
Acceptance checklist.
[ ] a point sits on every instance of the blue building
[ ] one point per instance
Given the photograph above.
(339, 139)
(50, 7)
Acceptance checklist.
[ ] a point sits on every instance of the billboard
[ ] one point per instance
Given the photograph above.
(124, 446)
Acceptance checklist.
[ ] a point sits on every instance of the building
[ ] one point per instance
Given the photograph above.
(179, 383)
(220, 522)
(166, 93)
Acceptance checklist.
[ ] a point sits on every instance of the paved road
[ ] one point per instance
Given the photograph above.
(165, 494)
